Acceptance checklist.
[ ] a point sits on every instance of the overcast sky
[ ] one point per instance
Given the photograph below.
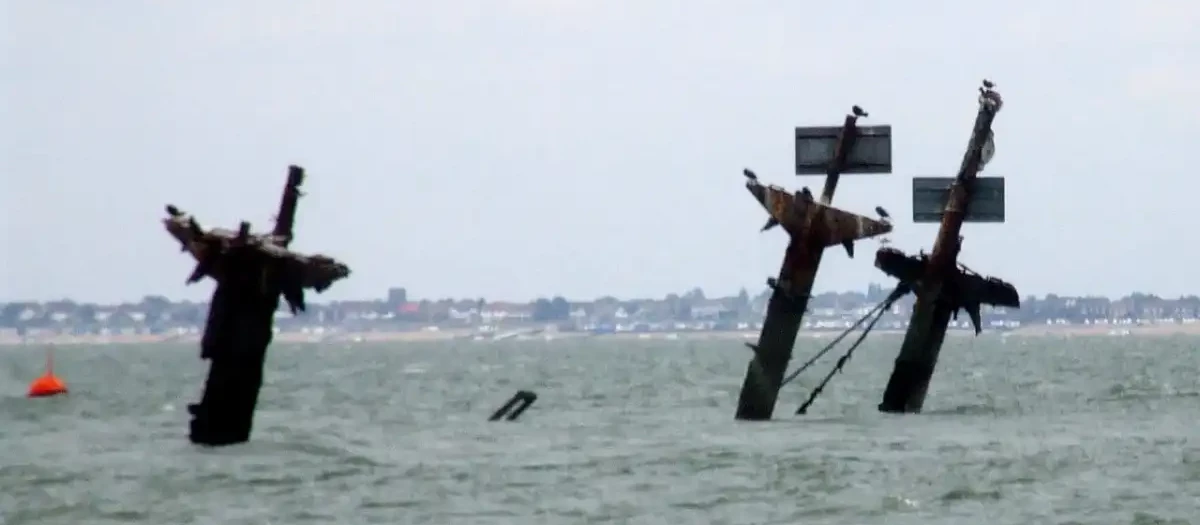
(510, 149)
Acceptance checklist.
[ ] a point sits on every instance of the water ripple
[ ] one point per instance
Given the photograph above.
(1079, 431)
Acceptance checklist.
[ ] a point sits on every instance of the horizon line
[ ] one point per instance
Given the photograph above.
(383, 298)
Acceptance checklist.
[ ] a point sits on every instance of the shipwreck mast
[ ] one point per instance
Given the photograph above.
(812, 226)
(252, 272)
(941, 286)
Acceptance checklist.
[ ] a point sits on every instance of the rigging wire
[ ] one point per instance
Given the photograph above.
(876, 310)
(896, 294)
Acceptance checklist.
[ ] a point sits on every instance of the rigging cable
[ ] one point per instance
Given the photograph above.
(896, 294)
(876, 310)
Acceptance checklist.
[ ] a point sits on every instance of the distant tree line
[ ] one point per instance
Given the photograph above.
(556, 309)
(693, 304)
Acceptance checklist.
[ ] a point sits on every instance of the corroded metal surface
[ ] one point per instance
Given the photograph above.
(799, 214)
(252, 271)
(964, 289)
(812, 226)
(297, 272)
(942, 285)
(316, 272)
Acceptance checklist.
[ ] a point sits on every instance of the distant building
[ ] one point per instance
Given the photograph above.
(396, 297)
(691, 311)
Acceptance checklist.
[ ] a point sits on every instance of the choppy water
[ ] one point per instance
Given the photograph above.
(1023, 431)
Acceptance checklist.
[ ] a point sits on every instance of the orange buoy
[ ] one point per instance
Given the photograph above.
(48, 384)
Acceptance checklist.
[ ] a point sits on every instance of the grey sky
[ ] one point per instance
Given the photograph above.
(509, 149)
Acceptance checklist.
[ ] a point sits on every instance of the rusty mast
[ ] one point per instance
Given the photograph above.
(942, 285)
(252, 271)
(812, 226)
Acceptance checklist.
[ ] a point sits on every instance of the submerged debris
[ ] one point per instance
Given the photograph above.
(515, 406)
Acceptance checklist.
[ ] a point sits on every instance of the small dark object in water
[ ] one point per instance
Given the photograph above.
(515, 406)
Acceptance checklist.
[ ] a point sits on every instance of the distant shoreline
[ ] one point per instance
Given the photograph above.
(467, 335)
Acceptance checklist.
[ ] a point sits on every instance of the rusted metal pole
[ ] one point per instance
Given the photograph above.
(812, 226)
(251, 271)
(285, 219)
(941, 286)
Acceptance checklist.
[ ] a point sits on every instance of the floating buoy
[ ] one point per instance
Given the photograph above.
(48, 384)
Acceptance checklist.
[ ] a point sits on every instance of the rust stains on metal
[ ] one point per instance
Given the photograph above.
(252, 271)
(812, 226)
(942, 285)
(296, 271)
